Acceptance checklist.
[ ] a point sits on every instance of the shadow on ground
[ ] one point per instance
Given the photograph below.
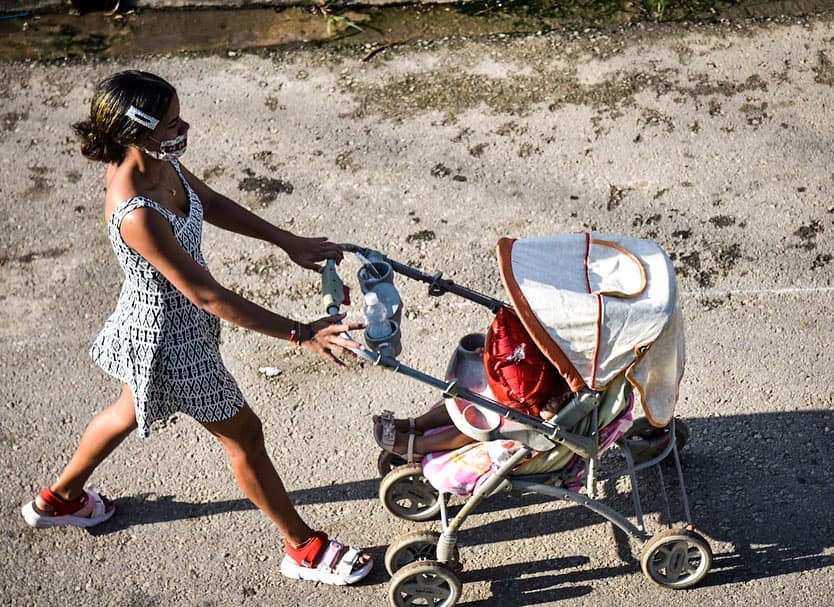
(758, 483)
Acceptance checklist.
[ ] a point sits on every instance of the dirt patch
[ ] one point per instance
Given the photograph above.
(807, 234)
(728, 257)
(9, 256)
(41, 186)
(616, 195)
(266, 189)
(722, 221)
(9, 120)
(213, 172)
(822, 260)
(824, 70)
(346, 162)
(440, 170)
(712, 303)
(267, 158)
(421, 236)
(267, 267)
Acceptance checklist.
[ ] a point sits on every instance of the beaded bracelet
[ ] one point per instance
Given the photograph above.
(295, 334)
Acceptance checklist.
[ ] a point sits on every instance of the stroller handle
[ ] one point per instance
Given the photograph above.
(437, 284)
(333, 296)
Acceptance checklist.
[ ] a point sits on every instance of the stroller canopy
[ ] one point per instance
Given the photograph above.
(600, 305)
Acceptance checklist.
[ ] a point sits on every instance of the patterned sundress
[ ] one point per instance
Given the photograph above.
(166, 349)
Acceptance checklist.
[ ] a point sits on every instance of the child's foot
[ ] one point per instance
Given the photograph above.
(400, 444)
(51, 510)
(408, 424)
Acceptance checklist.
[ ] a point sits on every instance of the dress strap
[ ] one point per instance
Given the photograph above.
(189, 191)
(131, 204)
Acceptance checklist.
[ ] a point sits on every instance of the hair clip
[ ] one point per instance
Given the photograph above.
(140, 117)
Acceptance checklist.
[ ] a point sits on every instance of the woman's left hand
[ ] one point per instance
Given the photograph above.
(326, 337)
(306, 252)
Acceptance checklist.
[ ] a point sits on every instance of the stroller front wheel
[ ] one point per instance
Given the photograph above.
(407, 494)
(676, 558)
(413, 547)
(424, 583)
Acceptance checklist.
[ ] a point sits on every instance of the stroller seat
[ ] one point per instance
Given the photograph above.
(463, 470)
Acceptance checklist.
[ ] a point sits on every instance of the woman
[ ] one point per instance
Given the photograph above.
(162, 341)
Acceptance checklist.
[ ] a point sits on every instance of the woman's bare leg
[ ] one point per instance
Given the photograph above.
(242, 436)
(103, 434)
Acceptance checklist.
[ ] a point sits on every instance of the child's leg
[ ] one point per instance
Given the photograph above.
(436, 417)
(103, 434)
(445, 440)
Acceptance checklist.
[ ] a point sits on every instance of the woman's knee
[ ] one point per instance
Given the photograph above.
(246, 436)
(121, 414)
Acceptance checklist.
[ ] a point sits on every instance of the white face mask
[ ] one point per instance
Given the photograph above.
(170, 149)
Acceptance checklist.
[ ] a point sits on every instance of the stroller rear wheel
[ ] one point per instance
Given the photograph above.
(647, 442)
(424, 583)
(676, 558)
(415, 546)
(407, 494)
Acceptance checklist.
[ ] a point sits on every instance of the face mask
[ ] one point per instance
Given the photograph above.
(170, 149)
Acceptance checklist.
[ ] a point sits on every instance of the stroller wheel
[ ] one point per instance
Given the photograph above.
(424, 583)
(407, 494)
(416, 546)
(647, 442)
(676, 558)
(387, 461)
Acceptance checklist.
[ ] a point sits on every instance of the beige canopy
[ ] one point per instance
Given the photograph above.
(601, 305)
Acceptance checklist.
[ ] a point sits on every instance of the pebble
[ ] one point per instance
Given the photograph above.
(270, 371)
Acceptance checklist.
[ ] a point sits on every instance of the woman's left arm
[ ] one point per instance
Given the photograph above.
(225, 213)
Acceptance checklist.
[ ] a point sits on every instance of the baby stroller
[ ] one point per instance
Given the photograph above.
(603, 310)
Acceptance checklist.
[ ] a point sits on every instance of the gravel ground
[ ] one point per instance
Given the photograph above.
(714, 140)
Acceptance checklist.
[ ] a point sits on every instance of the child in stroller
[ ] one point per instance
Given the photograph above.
(518, 376)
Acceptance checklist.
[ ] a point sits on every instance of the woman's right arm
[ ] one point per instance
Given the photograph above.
(148, 233)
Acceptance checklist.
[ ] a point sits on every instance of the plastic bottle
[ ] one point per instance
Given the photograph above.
(376, 317)
(390, 298)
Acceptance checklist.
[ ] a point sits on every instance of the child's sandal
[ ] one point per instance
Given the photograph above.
(325, 561)
(387, 420)
(386, 436)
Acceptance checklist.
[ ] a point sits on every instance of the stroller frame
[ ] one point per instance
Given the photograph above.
(674, 558)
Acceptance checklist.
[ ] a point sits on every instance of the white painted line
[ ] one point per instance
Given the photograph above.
(741, 292)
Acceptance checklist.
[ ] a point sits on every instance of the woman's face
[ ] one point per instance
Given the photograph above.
(169, 139)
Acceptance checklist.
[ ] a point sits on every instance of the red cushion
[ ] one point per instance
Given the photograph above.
(518, 373)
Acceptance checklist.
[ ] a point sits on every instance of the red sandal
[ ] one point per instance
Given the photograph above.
(323, 560)
(86, 511)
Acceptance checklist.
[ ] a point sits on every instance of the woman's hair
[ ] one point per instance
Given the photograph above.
(108, 132)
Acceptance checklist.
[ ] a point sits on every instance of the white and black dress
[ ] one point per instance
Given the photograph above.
(157, 342)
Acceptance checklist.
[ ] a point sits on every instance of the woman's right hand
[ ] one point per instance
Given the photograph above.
(324, 337)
